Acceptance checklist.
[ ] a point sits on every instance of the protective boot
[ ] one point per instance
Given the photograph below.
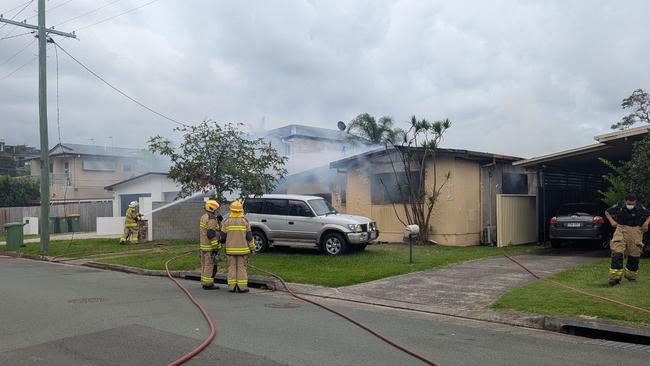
(613, 281)
(211, 286)
(631, 268)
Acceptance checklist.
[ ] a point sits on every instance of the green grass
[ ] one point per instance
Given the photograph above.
(543, 298)
(85, 247)
(308, 266)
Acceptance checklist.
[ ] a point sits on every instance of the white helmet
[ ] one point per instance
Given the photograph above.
(133, 204)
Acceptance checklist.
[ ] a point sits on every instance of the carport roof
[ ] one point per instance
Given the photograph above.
(612, 146)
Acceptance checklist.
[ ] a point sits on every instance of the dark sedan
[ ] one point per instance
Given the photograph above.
(579, 221)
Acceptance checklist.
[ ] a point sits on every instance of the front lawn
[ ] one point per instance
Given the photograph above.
(543, 298)
(311, 267)
(85, 247)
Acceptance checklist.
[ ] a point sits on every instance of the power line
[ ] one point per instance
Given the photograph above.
(18, 6)
(15, 15)
(115, 16)
(19, 52)
(88, 13)
(15, 35)
(19, 67)
(52, 8)
(118, 90)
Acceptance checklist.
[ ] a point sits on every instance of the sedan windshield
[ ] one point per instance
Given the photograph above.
(580, 209)
(321, 207)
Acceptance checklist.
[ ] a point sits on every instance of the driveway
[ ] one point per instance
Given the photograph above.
(463, 289)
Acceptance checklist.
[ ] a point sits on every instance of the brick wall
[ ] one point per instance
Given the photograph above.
(180, 221)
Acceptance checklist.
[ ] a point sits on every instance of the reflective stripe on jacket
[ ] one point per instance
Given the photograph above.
(208, 221)
(131, 217)
(236, 230)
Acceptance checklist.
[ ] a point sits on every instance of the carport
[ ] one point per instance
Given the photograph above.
(576, 175)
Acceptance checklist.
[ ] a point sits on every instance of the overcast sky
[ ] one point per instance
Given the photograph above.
(515, 77)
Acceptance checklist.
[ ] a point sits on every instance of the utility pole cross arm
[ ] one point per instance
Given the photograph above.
(35, 27)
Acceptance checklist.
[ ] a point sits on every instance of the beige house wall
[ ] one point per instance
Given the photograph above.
(84, 184)
(516, 219)
(455, 220)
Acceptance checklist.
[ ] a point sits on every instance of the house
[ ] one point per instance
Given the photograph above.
(575, 175)
(20, 153)
(155, 185)
(465, 213)
(80, 172)
(304, 145)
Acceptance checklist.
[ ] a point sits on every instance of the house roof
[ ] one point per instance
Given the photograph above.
(613, 145)
(295, 130)
(467, 154)
(110, 188)
(95, 150)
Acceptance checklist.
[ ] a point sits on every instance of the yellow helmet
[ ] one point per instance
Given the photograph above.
(211, 205)
(236, 207)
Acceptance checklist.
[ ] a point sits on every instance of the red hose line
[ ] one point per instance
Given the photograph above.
(603, 298)
(188, 356)
(358, 324)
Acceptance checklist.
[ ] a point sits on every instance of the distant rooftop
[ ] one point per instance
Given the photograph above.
(95, 150)
(294, 130)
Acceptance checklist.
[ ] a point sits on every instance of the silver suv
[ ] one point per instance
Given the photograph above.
(306, 221)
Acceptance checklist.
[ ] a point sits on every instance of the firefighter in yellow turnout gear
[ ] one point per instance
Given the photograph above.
(132, 216)
(209, 232)
(238, 239)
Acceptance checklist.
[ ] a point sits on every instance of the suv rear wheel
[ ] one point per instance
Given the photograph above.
(261, 242)
(334, 244)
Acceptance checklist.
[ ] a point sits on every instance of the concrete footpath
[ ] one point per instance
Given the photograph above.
(70, 236)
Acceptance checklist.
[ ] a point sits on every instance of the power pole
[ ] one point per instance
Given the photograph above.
(42, 117)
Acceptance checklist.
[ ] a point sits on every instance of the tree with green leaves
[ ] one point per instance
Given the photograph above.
(638, 170)
(412, 151)
(639, 102)
(617, 186)
(223, 158)
(7, 164)
(16, 192)
(377, 132)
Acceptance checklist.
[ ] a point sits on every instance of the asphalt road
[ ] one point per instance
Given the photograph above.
(64, 315)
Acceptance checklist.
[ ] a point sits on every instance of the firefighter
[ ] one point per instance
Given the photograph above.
(630, 220)
(132, 216)
(238, 239)
(209, 231)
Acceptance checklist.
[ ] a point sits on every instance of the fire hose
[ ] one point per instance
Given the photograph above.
(188, 356)
(355, 322)
(571, 288)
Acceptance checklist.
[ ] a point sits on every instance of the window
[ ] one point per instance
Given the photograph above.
(276, 207)
(299, 208)
(579, 209)
(51, 166)
(126, 167)
(253, 205)
(386, 188)
(170, 196)
(515, 183)
(98, 165)
(322, 207)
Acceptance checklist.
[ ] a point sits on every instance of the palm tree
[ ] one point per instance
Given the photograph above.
(377, 132)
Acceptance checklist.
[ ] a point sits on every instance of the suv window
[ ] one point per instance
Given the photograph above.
(276, 207)
(322, 207)
(253, 205)
(299, 208)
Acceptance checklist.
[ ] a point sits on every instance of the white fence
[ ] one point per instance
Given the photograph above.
(88, 211)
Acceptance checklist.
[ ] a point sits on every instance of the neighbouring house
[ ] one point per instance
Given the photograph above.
(155, 185)
(307, 145)
(20, 153)
(80, 172)
(576, 175)
(465, 213)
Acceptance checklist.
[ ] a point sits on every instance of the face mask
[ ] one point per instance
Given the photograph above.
(630, 207)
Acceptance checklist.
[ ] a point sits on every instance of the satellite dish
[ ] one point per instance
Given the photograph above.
(341, 125)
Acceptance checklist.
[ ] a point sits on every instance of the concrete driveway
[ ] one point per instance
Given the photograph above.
(463, 289)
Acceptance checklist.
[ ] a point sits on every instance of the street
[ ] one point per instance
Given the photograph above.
(65, 315)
